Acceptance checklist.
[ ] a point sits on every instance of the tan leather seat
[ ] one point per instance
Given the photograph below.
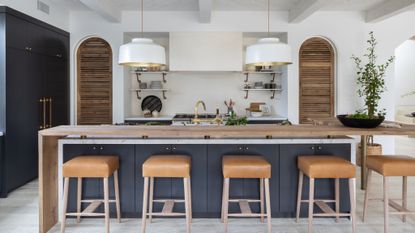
(167, 166)
(392, 165)
(326, 167)
(91, 166)
(245, 167)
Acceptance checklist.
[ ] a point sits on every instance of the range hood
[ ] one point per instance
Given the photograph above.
(206, 51)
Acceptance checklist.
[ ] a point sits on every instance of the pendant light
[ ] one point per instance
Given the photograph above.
(142, 52)
(268, 51)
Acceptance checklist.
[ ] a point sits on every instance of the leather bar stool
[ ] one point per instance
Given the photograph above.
(246, 167)
(170, 166)
(91, 167)
(389, 166)
(323, 167)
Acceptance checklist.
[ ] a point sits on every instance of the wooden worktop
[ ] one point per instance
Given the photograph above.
(247, 131)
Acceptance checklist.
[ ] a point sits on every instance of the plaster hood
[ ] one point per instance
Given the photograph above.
(206, 51)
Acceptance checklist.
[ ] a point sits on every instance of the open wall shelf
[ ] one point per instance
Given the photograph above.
(139, 74)
(273, 91)
(138, 92)
(272, 74)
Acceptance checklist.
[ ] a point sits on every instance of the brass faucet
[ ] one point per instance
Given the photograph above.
(200, 102)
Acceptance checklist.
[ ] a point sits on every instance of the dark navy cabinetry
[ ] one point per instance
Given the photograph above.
(33, 68)
(206, 176)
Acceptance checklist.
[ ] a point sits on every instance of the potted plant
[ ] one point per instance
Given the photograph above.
(371, 81)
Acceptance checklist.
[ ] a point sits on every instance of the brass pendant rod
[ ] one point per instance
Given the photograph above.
(268, 16)
(142, 18)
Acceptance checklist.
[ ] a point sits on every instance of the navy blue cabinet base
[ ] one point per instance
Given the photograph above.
(207, 175)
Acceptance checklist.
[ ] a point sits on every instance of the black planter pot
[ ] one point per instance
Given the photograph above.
(360, 123)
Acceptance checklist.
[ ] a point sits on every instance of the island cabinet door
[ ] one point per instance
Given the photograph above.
(126, 177)
(198, 178)
(239, 188)
(91, 187)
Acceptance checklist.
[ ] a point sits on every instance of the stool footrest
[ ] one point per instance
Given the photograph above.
(245, 208)
(324, 207)
(167, 214)
(241, 215)
(332, 215)
(92, 207)
(315, 200)
(401, 210)
(166, 200)
(168, 207)
(93, 200)
(247, 200)
(86, 214)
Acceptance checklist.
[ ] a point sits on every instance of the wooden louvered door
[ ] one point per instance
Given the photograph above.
(316, 80)
(94, 100)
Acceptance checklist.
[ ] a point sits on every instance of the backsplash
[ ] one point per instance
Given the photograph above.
(186, 88)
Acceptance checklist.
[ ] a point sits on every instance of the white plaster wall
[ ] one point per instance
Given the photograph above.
(405, 80)
(58, 16)
(347, 31)
(405, 72)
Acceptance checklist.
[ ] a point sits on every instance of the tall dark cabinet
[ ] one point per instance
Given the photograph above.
(34, 91)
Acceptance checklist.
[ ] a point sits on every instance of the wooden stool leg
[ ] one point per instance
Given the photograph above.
(352, 193)
(117, 196)
(311, 206)
(404, 195)
(106, 205)
(299, 192)
(386, 202)
(190, 199)
(187, 203)
(337, 197)
(368, 186)
(145, 201)
(79, 199)
(150, 208)
(268, 203)
(226, 204)
(261, 198)
(65, 203)
(223, 201)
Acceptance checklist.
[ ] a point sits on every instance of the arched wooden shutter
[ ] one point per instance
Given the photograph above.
(94, 82)
(316, 80)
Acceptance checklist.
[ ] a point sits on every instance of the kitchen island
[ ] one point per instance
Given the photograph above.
(279, 144)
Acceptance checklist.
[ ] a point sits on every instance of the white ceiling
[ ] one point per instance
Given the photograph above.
(224, 5)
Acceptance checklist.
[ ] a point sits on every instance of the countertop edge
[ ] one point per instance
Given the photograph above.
(347, 140)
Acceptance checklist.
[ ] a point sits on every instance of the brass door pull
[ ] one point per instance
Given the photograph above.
(50, 112)
(42, 101)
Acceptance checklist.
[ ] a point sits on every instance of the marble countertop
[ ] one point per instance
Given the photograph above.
(170, 117)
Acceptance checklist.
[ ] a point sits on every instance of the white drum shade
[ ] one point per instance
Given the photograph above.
(268, 52)
(142, 52)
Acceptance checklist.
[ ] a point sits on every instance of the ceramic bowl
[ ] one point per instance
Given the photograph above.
(257, 114)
